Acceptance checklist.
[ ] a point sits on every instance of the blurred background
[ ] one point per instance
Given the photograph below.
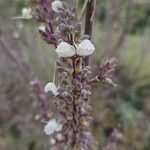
(122, 30)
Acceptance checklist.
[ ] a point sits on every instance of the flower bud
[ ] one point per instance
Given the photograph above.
(83, 111)
(107, 68)
(64, 75)
(56, 5)
(52, 141)
(59, 137)
(84, 92)
(89, 93)
(109, 81)
(64, 94)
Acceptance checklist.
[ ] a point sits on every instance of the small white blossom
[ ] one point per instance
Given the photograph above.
(85, 48)
(56, 5)
(51, 87)
(65, 50)
(26, 14)
(42, 28)
(52, 126)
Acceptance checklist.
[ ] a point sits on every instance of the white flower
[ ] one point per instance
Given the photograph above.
(52, 126)
(26, 13)
(85, 48)
(51, 87)
(65, 50)
(56, 4)
(42, 28)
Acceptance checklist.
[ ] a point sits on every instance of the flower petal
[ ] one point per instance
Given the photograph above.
(56, 4)
(85, 48)
(52, 126)
(51, 87)
(42, 28)
(26, 13)
(65, 50)
(58, 127)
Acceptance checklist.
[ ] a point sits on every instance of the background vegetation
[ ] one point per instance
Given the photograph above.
(121, 29)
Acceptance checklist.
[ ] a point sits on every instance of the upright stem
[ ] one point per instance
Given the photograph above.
(74, 105)
(90, 12)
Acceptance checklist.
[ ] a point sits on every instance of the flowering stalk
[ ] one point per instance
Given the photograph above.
(61, 28)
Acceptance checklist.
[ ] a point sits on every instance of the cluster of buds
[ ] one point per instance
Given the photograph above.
(61, 28)
(107, 69)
